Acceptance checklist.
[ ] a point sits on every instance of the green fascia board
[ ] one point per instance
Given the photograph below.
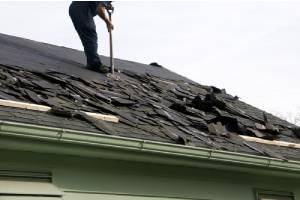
(43, 139)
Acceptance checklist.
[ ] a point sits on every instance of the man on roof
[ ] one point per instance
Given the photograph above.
(82, 14)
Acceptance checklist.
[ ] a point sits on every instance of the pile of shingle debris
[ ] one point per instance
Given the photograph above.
(149, 107)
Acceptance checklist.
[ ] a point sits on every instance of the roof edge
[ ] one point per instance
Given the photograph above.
(24, 137)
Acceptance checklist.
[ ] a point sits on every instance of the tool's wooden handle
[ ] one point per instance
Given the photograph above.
(111, 47)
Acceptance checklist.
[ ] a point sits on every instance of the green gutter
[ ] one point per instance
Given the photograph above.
(27, 137)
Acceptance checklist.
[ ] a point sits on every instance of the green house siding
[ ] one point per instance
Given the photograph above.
(96, 178)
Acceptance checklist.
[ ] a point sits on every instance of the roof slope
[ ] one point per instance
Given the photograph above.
(152, 102)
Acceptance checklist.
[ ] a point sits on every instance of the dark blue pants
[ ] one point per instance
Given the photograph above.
(83, 21)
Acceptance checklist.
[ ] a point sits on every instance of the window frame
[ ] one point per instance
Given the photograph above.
(25, 184)
(259, 192)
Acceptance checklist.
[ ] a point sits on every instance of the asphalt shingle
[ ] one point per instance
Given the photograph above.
(152, 102)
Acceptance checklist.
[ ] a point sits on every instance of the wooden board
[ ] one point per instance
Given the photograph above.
(41, 108)
(271, 142)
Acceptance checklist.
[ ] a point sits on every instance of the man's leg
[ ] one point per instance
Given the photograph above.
(88, 36)
(86, 29)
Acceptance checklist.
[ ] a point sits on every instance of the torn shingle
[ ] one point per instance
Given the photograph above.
(155, 64)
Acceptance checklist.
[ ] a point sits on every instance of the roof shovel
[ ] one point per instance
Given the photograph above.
(112, 63)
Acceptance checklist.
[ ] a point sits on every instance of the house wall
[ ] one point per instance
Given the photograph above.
(94, 179)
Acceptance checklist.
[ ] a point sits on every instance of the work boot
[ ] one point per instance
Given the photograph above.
(98, 68)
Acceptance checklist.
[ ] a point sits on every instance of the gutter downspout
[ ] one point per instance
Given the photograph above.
(11, 132)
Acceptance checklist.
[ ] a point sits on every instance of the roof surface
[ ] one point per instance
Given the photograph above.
(152, 102)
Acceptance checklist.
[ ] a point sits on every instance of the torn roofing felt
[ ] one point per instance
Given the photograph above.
(151, 102)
